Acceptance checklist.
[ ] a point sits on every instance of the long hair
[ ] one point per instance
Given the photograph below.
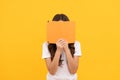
(52, 47)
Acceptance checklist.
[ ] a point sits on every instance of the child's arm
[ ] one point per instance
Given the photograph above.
(53, 65)
(72, 61)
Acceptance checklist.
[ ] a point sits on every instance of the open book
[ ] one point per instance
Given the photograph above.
(60, 30)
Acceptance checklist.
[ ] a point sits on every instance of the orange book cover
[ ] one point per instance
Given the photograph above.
(60, 30)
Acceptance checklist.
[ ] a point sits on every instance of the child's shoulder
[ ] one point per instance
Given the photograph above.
(45, 43)
(77, 43)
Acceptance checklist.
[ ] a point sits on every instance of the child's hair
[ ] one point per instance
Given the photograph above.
(52, 47)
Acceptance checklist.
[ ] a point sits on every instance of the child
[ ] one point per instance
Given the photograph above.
(62, 58)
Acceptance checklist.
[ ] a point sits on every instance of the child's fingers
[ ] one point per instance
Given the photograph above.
(61, 43)
(60, 40)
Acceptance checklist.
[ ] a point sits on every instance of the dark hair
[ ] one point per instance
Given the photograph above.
(52, 47)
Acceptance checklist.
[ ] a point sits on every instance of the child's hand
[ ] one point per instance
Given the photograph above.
(60, 44)
(65, 45)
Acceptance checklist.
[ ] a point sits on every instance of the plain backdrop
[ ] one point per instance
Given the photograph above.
(22, 33)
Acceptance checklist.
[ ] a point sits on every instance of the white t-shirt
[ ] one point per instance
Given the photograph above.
(62, 72)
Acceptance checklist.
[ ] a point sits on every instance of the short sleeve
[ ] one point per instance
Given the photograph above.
(45, 51)
(77, 49)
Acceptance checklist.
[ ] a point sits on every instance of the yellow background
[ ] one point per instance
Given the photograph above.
(22, 32)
